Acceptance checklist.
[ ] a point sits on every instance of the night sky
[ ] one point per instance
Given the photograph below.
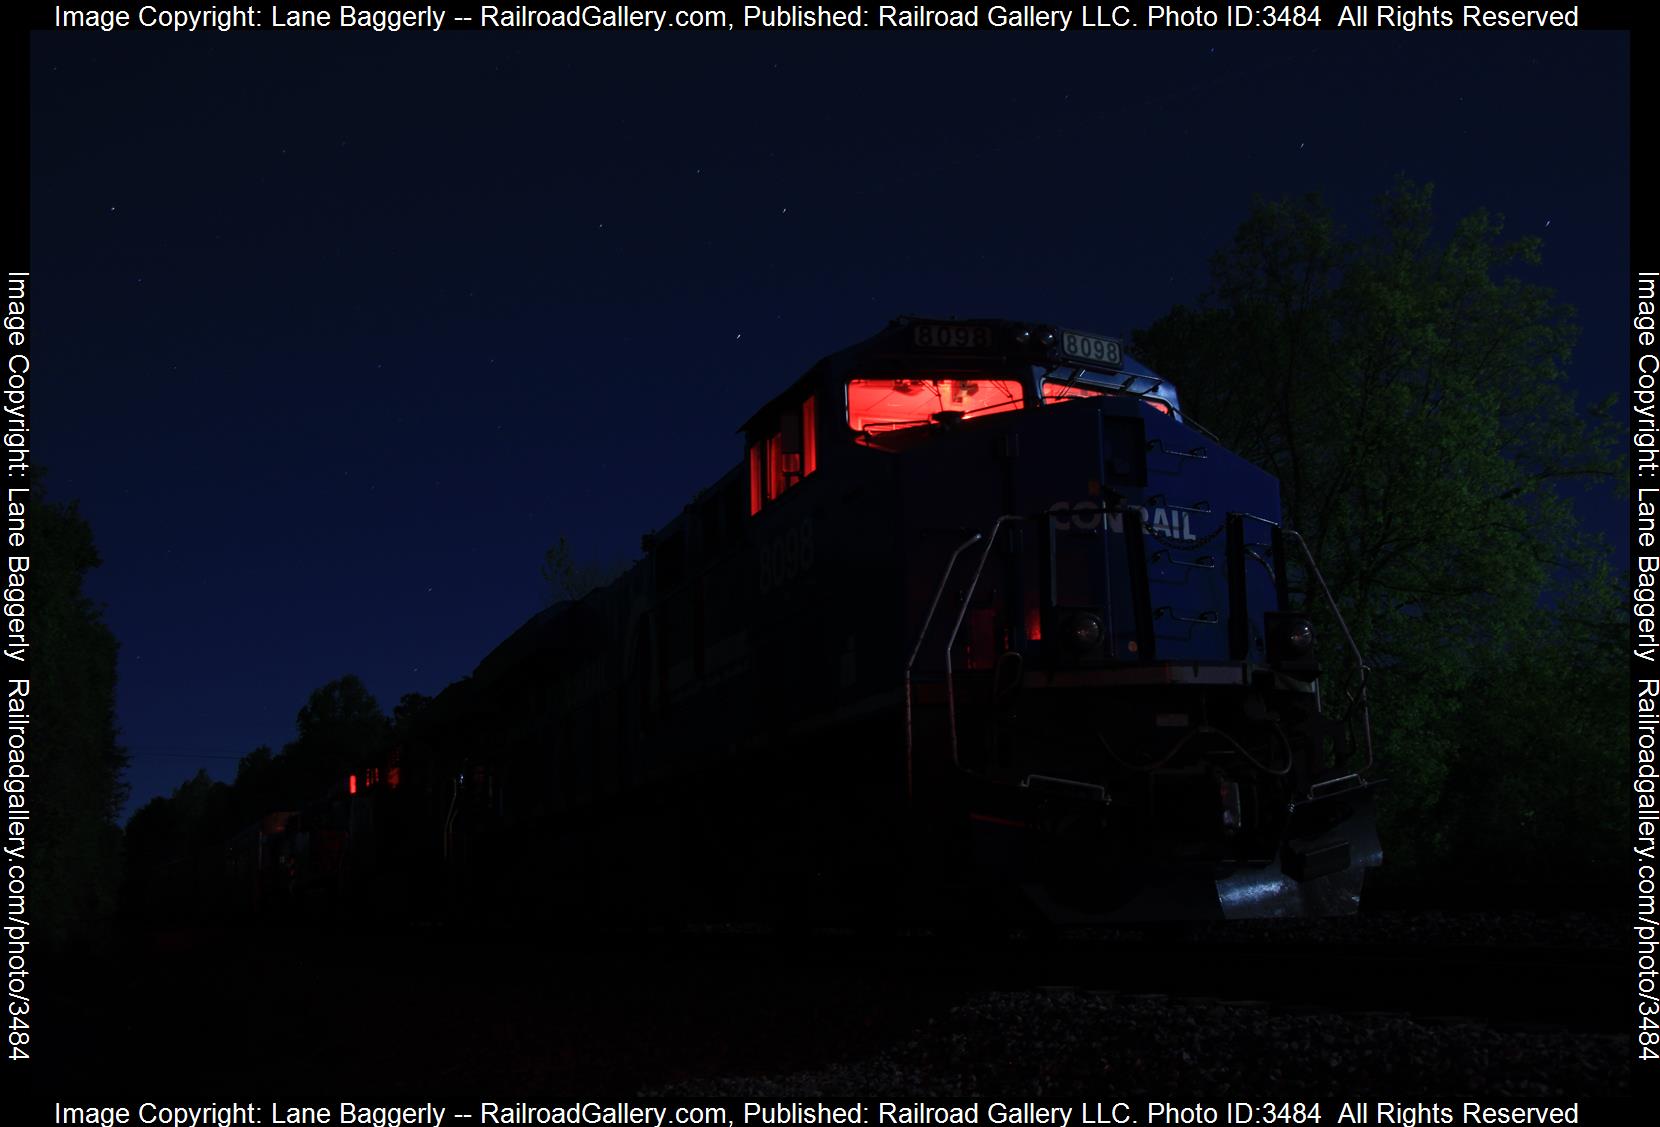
(337, 333)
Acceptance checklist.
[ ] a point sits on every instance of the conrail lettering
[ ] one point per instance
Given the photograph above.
(1087, 516)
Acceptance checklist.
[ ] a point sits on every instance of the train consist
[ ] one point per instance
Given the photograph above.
(980, 624)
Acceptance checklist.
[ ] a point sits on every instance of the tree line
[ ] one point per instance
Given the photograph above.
(340, 728)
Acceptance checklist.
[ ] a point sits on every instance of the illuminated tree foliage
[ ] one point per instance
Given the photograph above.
(1410, 393)
(75, 762)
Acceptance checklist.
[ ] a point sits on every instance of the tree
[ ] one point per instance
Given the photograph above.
(259, 787)
(408, 713)
(1409, 392)
(176, 845)
(568, 579)
(340, 725)
(1543, 749)
(175, 850)
(74, 756)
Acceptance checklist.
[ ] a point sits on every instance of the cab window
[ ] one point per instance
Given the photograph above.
(780, 458)
(1059, 391)
(878, 405)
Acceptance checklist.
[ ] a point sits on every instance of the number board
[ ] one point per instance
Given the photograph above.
(934, 334)
(1093, 350)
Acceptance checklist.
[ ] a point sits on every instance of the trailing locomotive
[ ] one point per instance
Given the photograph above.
(980, 617)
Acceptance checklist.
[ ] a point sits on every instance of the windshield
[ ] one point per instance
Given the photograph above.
(882, 405)
(1058, 391)
(887, 404)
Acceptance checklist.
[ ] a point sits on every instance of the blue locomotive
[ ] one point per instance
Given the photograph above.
(981, 619)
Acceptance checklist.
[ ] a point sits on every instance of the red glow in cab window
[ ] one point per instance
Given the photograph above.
(875, 405)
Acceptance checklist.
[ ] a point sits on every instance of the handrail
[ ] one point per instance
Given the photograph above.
(1201, 452)
(1163, 555)
(1360, 659)
(910, 663)
(449, 818)
(956, 628)
(1160, 500)
(1354, 648)
(1206, 618)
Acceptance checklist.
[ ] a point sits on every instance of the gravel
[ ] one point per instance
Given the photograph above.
(1068, 1046)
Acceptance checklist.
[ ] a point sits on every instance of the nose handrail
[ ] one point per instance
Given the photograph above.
(1359, 699)
(956, 628)
(910, 662)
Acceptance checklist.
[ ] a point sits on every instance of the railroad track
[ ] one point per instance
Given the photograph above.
(1530, 987)
(611, 1013)
(1581, 989)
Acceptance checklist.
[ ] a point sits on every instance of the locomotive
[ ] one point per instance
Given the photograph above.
(981, 622)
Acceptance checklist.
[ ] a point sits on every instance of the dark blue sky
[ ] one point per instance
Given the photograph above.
(337, 333)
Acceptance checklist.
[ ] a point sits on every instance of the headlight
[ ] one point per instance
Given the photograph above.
(1298, 634)
(1082, 630)
(1290, 640)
